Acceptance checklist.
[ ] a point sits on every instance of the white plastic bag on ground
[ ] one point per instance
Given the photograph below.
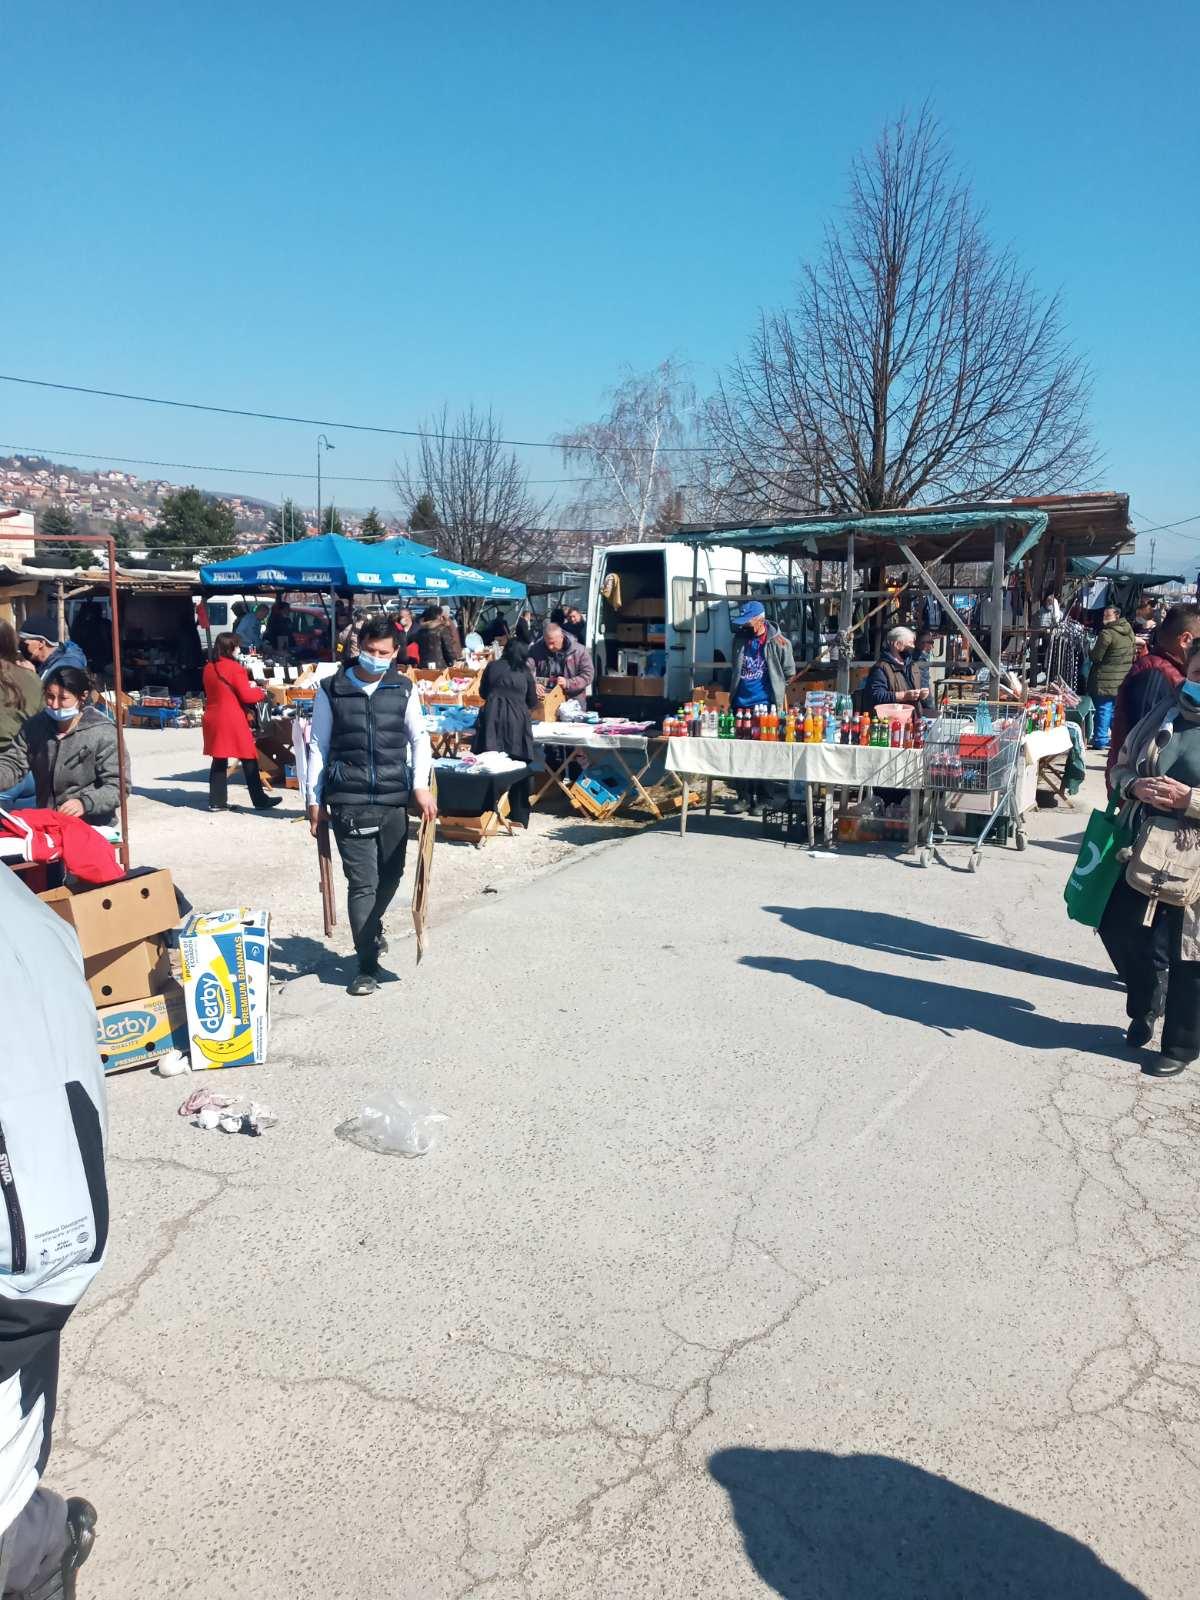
(393, 1126)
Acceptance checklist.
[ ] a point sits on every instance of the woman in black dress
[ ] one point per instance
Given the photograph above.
(505, 723)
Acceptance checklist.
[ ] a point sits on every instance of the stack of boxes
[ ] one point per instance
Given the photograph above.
(640, 633)
(140, 1008)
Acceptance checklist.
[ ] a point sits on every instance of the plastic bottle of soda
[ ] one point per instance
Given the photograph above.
(864, 728)
(896, 736)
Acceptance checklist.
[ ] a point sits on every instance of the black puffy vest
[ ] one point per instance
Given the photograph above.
(367, 759)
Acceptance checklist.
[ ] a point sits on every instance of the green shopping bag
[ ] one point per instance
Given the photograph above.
(1098, 865)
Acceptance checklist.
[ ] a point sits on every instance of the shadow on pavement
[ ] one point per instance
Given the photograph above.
(945, 1006)
(1068, 844)
(873, 1528)
(299, 957)
(924, 941)
(186, 799)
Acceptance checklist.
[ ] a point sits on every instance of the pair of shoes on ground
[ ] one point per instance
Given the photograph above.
(267, 803)
(1170, 1061)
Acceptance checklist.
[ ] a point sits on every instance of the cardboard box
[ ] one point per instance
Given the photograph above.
(630, 633)
(547, 709)
(631, 663)
(714, 699)
(650, 608)
(649, 688)
(225, 961)
(141, 1031)
(118, 914)
(116, 977)
(616, 686)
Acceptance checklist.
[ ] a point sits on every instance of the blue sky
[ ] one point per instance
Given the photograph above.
(360, 211)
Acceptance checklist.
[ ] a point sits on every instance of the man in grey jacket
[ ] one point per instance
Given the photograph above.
(53, 1129)
(559, 660)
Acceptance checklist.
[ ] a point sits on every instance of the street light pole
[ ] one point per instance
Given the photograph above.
(322, 444)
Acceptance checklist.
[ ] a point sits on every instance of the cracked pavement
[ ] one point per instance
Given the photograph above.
(748, 1152)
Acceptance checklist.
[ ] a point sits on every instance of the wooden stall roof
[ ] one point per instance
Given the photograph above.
(128, 579)
(1084, 524)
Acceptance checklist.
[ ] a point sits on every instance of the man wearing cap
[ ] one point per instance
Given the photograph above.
(39, 637)
(763, 666)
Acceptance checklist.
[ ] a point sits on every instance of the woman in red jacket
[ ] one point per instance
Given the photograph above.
(227, 735)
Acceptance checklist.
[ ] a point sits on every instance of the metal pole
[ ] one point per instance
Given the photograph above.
(997, 639)
(846, 617)
(111, 548)
(318, 485)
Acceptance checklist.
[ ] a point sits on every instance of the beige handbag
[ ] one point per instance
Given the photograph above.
(1165, 863)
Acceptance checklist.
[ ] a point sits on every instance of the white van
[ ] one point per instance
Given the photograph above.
(640, 618)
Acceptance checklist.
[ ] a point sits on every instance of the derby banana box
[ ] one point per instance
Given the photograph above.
(141, 1031)
(225, 961)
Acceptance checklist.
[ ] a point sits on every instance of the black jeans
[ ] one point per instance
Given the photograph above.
(218, 782)
(1148, 960)
(518, 803)
(371, 841)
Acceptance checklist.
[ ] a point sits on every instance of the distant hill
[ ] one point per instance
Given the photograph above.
(99, 495)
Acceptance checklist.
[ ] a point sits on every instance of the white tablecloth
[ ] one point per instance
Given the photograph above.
(583, 736)
(1053, 742)
(1038, 747)
(840, 765)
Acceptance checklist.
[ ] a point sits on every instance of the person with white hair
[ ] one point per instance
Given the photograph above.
(893, 680)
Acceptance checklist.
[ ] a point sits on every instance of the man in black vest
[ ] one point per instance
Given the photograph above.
(368, 753)
(893, 680)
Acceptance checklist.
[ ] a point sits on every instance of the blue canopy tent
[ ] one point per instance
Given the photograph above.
(331, 561)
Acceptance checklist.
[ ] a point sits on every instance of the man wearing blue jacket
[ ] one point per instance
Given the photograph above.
(39, 637)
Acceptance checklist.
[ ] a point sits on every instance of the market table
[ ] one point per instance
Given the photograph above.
(475, 803)
(837, 766)
(1040, 753)
(582, 738)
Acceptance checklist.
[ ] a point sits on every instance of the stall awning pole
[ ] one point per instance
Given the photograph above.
(846, 617)
(997, 639)
(972, 642)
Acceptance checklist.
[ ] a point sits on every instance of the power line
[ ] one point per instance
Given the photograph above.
(50, 453)
(319, 422)
(1163, 526)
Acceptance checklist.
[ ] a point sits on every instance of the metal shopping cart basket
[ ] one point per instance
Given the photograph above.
(973, 750)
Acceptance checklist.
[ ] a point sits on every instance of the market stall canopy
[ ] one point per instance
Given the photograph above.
(1083, 567)
(1094, 522)
(331, 561)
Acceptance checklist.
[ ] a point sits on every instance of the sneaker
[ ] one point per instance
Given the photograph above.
(363, 983)
(81, 1536)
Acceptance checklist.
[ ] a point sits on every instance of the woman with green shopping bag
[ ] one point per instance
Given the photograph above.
(1155, 905)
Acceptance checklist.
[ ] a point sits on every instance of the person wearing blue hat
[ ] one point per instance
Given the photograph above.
(763, 666)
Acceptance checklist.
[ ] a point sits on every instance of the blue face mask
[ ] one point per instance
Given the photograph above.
(64, 713)
(1189, 694)
(375, 664)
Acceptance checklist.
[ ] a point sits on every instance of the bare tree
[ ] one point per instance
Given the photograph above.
(918, 365)
(628, 454)
(474, 495)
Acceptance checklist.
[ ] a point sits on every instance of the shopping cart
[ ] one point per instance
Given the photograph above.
(973, 750)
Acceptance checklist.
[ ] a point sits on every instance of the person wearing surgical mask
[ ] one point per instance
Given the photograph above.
(368, 756)
(1159, 768)
(71, 750)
